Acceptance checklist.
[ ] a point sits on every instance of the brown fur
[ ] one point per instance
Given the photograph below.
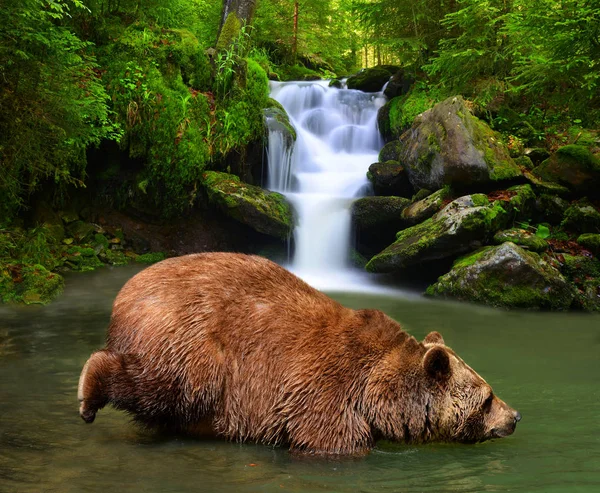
(238, 344)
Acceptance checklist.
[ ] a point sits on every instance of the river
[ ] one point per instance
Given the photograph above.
(546, 365)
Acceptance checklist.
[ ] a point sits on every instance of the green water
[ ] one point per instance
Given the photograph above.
(544, 365)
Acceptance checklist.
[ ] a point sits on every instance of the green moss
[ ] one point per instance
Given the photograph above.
(590, 241)
(580, 154)
(115, 257)
(480, 200)
(101, 240)
(522, 238)
(39, 285)
(582, 217)
(471, 258)
(230, 31)
(150, 258)
(404, 109)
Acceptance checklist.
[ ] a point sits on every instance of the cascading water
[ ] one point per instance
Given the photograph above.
(337, 140)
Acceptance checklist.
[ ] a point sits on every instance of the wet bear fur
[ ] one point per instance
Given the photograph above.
(238, 346)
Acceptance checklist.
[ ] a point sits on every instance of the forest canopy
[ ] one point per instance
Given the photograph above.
(152, 77)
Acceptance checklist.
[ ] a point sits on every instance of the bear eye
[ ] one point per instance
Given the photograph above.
(487, 404)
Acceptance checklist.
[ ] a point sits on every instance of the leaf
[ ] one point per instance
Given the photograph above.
(542, 231)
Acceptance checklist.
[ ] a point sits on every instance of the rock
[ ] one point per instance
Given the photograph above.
(264, 211)
(584, 272)
(575, 167)
(551, 208)
(524, 162)
(371, 79)
(590, 241)
(276, 119)
(521, 205)
(337, 83)
(390, 152)
(464, 224)
(398, 85)
(39, 285)
(523, 238)
(582, 217)
(505, 276)
(390, 178)
(371, 213)
(384, 123)
(447, 145)
(543, 186)
(423, 209)
(83, 258)
(537, 154)
(81, 230)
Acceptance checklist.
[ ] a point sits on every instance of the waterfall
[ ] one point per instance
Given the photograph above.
(325, 171)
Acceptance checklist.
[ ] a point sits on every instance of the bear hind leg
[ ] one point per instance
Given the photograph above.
(102, 376)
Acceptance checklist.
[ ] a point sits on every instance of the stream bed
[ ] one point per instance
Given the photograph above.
(546, 365)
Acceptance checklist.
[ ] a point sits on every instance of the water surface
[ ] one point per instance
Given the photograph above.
(545, 365)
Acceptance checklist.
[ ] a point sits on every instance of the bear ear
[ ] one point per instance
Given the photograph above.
(437, 363)
(434, 338)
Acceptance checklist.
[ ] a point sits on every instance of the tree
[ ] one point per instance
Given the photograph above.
(235, 15)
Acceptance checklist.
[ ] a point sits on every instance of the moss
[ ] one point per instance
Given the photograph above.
(337, 83)
(390, 152)
(265, 211)
(150, 258)
(404, 109)
(370, 79)
(230, 31)
(524, 162)
(101, 240)
(523, 238)
(590, 241)
(421, 194)
(39, 285)
(505, 276)
(115, 257)
(582, 217)
(480, 200)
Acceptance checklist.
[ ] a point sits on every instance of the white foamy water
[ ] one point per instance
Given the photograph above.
(337, 141)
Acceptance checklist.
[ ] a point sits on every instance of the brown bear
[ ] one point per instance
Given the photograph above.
(238, 346)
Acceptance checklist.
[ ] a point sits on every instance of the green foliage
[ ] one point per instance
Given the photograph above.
(150, 258)
(404, 109)
(52, 102)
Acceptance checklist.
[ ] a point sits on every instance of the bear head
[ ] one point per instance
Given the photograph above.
(463, 406)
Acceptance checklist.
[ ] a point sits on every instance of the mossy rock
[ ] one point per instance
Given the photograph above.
(523, 238)
(114, 257)
(582, 217)
(521, 205)
(423, 209)
(150, 258)
(547, 187)
(448, 145)
(524, 162)
(277, 120)
(39, 285)
(230, 30)
(101, 241)
(399, 84)
(370, 79)
(371, 213)
(590, 241)
(337, 83)
(265, 211)
(537, 154)
(584, 273)
(551, 208)
(390, 152)
(81, 231)
(575, 167)
(390, 178)
(505, 276)
(461, 226)
(82, 258)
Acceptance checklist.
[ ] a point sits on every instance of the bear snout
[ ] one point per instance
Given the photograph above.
(517, 416)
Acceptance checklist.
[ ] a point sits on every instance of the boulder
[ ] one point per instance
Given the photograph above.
(584, 273)
(464, 224)
(377, 213)
(505, 276)
(398, 85)
(390, 152)
(384, 125)
(582, 217)
(590, 241)
(265, 211)
(575, 167)
(523, 238)
(423, 209)
(390, 178)
(447, 145)
(278, 120)
(371, 79)
(551, 208)
(519, 203)
(81, 231)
